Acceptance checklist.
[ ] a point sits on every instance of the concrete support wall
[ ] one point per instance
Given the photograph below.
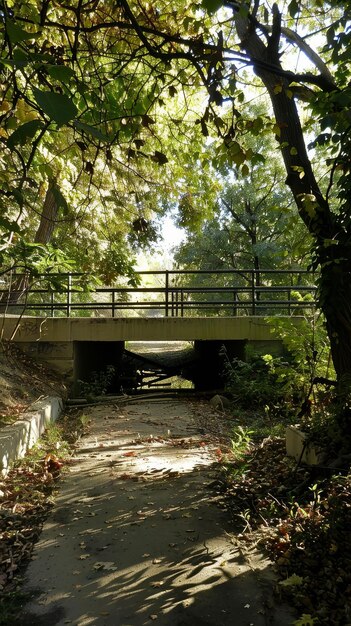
(18, 438)
(57, 355)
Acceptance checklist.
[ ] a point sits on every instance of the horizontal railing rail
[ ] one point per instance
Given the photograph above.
(169, 293)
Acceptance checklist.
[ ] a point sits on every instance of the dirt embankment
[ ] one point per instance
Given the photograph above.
(22, 381)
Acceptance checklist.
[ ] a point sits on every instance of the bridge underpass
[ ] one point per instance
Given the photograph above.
(157, 365)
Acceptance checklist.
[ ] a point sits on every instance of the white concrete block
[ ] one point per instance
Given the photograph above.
(302, 450)
(18, 438)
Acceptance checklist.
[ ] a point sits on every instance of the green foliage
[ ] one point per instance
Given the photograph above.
(57, 106)
(52, 441)
(212, 5)
(237, 463)
(98, 384)
(306, 620)
(240, 442)
(266, 383)
(306, 340)
(145, 119)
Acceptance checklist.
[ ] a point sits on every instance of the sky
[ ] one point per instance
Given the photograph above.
(161, 257)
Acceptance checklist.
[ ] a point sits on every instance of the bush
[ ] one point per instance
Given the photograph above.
(264, 382)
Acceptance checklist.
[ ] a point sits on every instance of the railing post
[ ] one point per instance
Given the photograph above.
(235, 303)
(52, 304)
(167, 293)
(289, 302)
(113, 302)
(69, 294)
(253, 292)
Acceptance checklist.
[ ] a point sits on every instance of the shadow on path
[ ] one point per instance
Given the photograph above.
(136, 538)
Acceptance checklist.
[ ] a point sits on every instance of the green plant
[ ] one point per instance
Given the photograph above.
(240, 442)
(239, 462)
(53, 440)
(305, 620)
(98, 384)
(9, 604)
(307, 343)
(264, 382)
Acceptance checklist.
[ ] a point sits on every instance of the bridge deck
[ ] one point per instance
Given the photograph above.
(35, 329)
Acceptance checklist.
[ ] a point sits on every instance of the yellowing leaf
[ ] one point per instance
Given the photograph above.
(310, 204)
(5, 106)
(293, 581)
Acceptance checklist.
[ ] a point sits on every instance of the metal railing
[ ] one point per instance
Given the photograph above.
(169, 293)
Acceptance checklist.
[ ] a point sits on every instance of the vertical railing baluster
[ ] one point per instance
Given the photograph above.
(113, 302)
(235, 303)
(69, 294)
(167, 293)
(253, 292)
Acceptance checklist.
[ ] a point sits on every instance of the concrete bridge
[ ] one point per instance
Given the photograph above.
(78, 346)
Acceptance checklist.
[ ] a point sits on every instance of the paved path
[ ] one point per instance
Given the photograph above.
(135, 537)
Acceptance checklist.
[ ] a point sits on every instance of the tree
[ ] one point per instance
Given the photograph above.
(253, 225)
(254, 34)
(86, 108)
(114, 66)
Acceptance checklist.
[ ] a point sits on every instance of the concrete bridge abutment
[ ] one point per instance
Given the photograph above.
(78, 347)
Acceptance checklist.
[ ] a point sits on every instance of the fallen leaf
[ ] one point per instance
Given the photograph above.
(109, 566)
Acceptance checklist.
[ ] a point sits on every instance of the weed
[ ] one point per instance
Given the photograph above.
(266, 383)
(241, 442)
(99, 383)
(9, 605)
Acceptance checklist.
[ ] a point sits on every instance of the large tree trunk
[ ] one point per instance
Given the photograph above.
(48, 217)
(313, 207)
(336, 305)
(20, 285)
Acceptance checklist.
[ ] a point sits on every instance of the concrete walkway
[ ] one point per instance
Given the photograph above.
(135, 536)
